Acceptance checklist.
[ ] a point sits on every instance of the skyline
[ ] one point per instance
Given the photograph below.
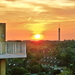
(25, 18)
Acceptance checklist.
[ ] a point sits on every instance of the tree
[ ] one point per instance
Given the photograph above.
(55, 72)
(33, 62)
(35, 69)
(18, 71)
(67, 56)
(38, 56)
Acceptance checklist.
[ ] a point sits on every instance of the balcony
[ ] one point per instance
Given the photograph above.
(12, 50)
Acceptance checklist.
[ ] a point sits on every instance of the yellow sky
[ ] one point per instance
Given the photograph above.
(24, 18)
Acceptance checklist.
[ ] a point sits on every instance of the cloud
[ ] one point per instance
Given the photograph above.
(10, 0)
(34, 14)
(71, 0)
(37, 28)
(2, 6)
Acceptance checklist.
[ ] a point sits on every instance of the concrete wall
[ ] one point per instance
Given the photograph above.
(2, 32)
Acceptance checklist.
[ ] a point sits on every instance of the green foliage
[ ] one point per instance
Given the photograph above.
(67, 56)
(63, 50)
(15, 71)
(30, 55)
(39, 55)
(65, 72)
(35, 69)
(42, 73)
(33, 62)
(56, 72)
(18, 71)
(26, 74)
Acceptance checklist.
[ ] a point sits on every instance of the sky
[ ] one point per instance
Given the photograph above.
(25, 18)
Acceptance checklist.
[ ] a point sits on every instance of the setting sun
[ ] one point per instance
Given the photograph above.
(37, 37)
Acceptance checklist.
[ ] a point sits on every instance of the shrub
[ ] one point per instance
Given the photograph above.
(18, 71)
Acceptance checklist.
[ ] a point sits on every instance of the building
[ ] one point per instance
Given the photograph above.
(9, 49)
(51, 61)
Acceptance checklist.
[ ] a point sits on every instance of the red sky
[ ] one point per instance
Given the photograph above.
(25, 18)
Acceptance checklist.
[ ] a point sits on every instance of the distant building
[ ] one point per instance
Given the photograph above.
(50, 60)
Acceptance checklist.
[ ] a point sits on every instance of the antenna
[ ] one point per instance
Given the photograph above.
(59, 32)
(59, 25)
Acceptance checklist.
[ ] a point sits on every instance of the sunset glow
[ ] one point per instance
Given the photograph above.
(37, 36)
(25, 18)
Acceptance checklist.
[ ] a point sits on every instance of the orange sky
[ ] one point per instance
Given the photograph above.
(25, 18)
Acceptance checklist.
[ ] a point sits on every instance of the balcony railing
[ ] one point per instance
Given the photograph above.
(12, 49)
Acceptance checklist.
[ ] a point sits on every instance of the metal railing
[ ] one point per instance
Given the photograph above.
(12, 48)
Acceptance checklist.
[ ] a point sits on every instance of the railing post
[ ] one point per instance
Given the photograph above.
(25, 48)
(6, 48)
(0, 48)
(15, 47)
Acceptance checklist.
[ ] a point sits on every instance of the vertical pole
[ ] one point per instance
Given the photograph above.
(2, 67)
(6, 48)
(25, 47)
(14, 48)
(59, 33)
(0, 48)
(2, 39)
